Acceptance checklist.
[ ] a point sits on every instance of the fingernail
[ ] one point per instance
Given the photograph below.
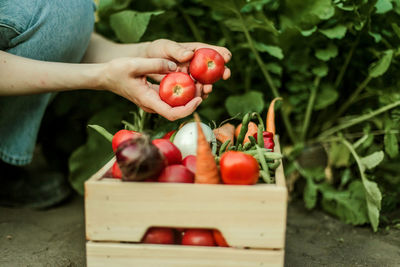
(171, 65)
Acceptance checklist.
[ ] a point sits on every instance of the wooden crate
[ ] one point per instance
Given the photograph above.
(251, 218)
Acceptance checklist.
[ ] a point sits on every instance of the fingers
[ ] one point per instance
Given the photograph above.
(225, 53)
(156, 77)
(144, 66)
(172, 113)
(169, 49)
(226, 74)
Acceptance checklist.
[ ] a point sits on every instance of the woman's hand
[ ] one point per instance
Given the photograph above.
(127, 78)
(182, 53)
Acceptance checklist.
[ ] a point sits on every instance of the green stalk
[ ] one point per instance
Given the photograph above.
(357, 120)
(267, 77)
(349, 101)
(310, 106)
(343, 69)
(196, 33)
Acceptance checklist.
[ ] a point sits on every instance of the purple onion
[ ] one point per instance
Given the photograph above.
(139, 159)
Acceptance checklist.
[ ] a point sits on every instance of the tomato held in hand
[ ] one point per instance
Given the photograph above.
(207, 65)
(170, 151)
(176, 174)
(177, 89)
(121, 136)
(159, 235)
(239, 168)
(198, 237)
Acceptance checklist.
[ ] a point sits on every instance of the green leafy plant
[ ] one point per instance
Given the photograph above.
(334, 63)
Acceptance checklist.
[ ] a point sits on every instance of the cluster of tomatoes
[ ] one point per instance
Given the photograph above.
(187, 237)
(178, 88)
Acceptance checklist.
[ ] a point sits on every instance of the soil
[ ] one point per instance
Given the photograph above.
(56, 237)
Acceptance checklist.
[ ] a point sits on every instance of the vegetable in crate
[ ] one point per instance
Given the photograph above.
(239, 168)
(268, 140)
(171, 153)
(139, 159)
(159, 235)
(198, 237)
(121, 136)
(176, 173)
(190, 163)
(206, 167)
(186, 138)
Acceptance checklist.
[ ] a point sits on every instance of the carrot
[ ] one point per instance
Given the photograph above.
(206, 167)
(270, 121)
(252, 129)
(225, 133)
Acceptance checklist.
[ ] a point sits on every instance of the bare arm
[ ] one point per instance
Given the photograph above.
(21, 76)
(102, 50)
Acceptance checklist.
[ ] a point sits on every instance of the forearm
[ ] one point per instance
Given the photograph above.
(21, 76)
(102, 50)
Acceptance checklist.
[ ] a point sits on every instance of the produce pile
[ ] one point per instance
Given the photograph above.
(195, 153)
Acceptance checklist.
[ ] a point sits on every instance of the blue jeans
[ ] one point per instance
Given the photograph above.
(48, 30)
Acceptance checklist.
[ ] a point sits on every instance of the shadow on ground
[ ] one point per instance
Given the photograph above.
(56, 237)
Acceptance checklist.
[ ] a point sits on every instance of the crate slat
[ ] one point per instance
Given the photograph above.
(145, 255)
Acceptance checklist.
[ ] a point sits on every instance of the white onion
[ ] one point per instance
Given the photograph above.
(186, 138)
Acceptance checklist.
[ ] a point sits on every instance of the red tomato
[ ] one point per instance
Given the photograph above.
(121, 136)
(177, 89)
(171, 153)
(198, 237)
(268, 140)
(239, 168)
(176, 174)
(219, 239)
(190, 163)
(207, 65)
(159, 235)
(168, 135)
(116, 171)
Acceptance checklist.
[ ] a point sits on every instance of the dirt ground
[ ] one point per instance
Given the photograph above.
(55, 237)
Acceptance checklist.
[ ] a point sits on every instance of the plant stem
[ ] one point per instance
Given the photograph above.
(310, 106)
(196, 33)
(267, 77)
(343, 69)
(357, 120)
(349, 101)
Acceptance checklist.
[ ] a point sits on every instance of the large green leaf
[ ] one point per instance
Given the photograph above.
(129, 25)
(391, 144)
(327, 53)
(383, 6)
(381, 66)
(350, 205)
(326, 96)
(337, 32)
(273, 50)
(372, 160)
(248, 102)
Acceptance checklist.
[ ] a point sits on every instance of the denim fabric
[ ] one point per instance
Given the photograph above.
(48, 30)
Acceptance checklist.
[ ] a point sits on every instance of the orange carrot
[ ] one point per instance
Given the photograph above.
(206, 167)
(225, 133)
(252, 129)
(270, 121)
